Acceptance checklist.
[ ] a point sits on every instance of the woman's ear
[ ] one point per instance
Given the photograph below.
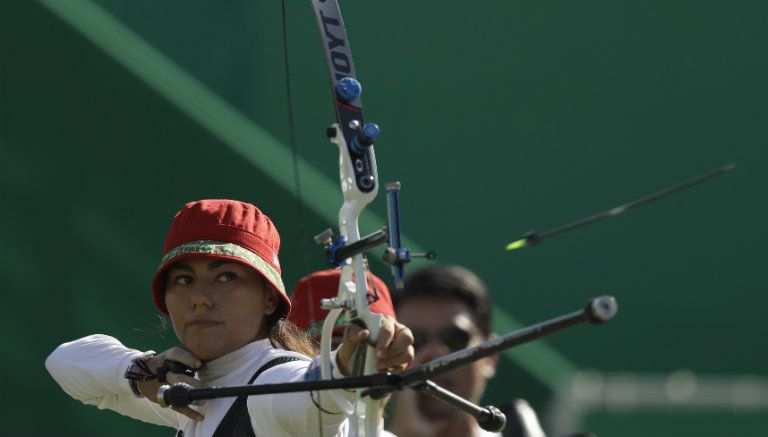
(271, 302)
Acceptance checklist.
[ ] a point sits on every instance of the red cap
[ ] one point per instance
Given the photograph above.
(222, 229)
(306, 296)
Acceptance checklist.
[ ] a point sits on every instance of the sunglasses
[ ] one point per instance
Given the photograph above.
(453, 337)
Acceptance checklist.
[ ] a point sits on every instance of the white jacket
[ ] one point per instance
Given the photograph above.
(91, 370)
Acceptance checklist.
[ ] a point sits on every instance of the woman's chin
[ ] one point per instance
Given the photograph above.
(208, 350)
(214, 345)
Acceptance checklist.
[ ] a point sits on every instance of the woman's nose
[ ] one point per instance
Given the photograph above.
(200, 297)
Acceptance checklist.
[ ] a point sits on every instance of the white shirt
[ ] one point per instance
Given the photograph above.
(91, 370)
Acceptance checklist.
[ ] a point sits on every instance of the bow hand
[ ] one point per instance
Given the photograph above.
(393, 347)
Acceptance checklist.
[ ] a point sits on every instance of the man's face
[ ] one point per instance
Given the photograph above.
(440, 326)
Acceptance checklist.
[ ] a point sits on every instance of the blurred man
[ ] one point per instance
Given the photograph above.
(447, 309)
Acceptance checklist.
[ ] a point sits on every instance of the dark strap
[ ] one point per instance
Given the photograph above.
(272, 363)
(237, 421)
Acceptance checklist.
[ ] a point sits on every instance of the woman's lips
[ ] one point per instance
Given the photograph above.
(203, 323)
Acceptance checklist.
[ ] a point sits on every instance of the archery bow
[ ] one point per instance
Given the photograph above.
(359, 185)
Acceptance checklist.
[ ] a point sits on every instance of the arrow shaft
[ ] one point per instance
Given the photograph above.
(533, 238)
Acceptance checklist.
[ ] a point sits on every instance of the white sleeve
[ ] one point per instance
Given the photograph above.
(300, 413)
(91, 370)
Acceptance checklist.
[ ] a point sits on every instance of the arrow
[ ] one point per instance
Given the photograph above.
(531, 238)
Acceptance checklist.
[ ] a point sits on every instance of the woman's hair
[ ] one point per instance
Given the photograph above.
(284, 334)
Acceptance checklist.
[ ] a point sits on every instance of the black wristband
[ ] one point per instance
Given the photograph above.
(139, 371)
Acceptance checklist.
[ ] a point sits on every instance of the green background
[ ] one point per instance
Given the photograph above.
(498, 117)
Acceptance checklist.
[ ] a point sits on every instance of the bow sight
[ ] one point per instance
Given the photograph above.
(395, 255)
(359, 138)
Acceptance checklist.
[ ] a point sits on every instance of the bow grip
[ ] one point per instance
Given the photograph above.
(370, 321)
(363, 360)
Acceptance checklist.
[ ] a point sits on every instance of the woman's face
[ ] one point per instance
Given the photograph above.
(217, 306)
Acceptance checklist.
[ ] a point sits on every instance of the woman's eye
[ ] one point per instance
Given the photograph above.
(182, 280)
(226, 277)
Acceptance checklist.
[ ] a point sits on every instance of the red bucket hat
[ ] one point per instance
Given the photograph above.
(223, 229)
(306, 312)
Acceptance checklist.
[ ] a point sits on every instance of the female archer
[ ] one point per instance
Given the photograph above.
(220, 283)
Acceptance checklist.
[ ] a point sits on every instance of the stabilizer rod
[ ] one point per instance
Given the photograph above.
(598, 310)
(489, 418)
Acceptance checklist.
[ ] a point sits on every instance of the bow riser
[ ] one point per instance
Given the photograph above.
(356, 292)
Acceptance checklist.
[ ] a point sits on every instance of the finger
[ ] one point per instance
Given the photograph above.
(386, 334)
(397, 363)
(183, 356)
(189, 412)
(402, 340)
(353, 335)
(173, 378)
